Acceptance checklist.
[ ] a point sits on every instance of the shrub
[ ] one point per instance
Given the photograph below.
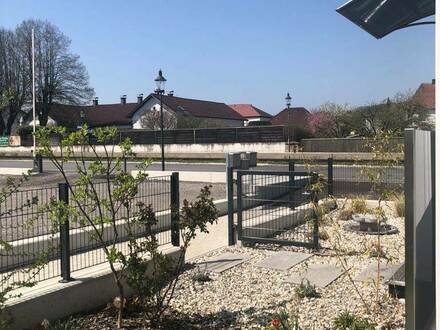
(359, 205)
(323, 235)
(399, 205)
(345, 214)
(306, 290)
(284, 321)
(200, 276)
(349, 321)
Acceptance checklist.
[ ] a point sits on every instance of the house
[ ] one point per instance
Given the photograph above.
(215, 114)
(251, 113)
(298, 117)
(137, 114)
(425, 97)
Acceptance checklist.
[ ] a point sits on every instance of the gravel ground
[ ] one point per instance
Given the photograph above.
(246, 295)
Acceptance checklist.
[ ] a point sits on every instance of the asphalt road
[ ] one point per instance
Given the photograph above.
(340, 172)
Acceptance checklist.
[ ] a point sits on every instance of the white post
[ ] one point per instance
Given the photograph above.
(33, 93)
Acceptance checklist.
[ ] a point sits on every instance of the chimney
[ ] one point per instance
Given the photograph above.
(433, 81)
(95, 101)
(140, 98)
(171, 93)
(124, 99)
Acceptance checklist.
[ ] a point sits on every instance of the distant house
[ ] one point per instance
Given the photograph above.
(217, 113)
(251, 113)
(298, 116)
(130, 115)
(425, 97)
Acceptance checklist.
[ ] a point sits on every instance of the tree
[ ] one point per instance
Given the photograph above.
(151, 120)
(330, 120)
(104, 196)
(14, 82)
(59, 74)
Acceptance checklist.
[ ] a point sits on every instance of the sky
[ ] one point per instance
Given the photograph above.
(234, 51)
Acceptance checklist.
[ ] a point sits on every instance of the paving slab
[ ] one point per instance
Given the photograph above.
(222, 262)
(283, 260)
(317, 275)
(369, 274)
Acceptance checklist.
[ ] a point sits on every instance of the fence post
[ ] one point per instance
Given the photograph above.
(330, 176)
(230, 191)
(314, 196)
(125, 163)
(63, 196)
(291, 183)
(175, 206)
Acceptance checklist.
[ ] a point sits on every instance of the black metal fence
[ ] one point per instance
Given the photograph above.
(274, 207)
(351, 179)
(29, 230)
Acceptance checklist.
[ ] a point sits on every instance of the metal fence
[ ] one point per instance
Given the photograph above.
(28, 227)
(274, 207)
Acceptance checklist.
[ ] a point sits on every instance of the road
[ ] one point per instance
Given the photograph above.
(340, 172)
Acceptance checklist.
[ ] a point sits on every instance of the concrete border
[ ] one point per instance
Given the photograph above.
(93, 287)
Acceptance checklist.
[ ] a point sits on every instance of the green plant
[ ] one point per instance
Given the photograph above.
(68, 324)
(200, 276)
(284, 321)
(323, 235)
(359, 205)
(345, 214)
(156, 289)
(306, 290)
(349, 321)
(399, 205)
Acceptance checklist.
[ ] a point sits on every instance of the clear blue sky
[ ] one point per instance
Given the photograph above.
(234, 51)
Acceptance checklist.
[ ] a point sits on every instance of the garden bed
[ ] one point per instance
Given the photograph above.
(247, 296)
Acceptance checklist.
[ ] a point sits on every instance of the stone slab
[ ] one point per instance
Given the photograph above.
(369, 274)
(283, 260)
(318, 275)
(222, 262)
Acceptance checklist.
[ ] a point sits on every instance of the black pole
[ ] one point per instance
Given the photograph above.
(330, 177)
(161, 132)
(175, 204)
(292, 183)
(230, 187)
(63, 196)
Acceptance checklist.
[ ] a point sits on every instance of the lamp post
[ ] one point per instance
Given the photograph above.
(288, 102)
(160, 85)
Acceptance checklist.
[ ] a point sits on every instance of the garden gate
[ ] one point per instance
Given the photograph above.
(273, 207)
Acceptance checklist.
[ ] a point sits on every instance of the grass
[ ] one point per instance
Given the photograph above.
(349, 321)
(306, 290)
(399, 205)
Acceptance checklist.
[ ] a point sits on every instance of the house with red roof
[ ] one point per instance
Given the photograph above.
(425, 97)
(251, 113)
(137, 114)
(297, 116)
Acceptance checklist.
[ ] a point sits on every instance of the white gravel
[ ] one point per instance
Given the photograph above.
(246, 296)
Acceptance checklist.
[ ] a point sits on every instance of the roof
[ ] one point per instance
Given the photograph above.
(95, 115)
(249, 111)
(381, 17)
(297, 116)
(425, 95)
(198, 108)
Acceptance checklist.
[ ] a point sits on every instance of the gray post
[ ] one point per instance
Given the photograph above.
(330, 176)
(230, 187)
(175, 205)
(419, 230)
(63, 196)
(125, 163)
(38, 164)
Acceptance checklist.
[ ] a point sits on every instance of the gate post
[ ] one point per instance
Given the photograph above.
(291, 184)
(315, 200)
(330, 176)
(175, 205)
(239, 206)
(63, 196)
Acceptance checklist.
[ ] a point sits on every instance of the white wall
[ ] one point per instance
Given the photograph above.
(151, 105)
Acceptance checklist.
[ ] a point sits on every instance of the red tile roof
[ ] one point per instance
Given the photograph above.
(298, 116)
(249, 111)
(199, 108)
(425, 95)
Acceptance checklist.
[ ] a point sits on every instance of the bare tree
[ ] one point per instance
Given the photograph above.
(14, 81)
(60, 76)
(151, 120)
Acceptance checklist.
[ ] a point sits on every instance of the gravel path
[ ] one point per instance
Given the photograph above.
(246, 295)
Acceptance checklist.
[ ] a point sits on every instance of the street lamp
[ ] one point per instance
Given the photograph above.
(160, 84)
(288, 102)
